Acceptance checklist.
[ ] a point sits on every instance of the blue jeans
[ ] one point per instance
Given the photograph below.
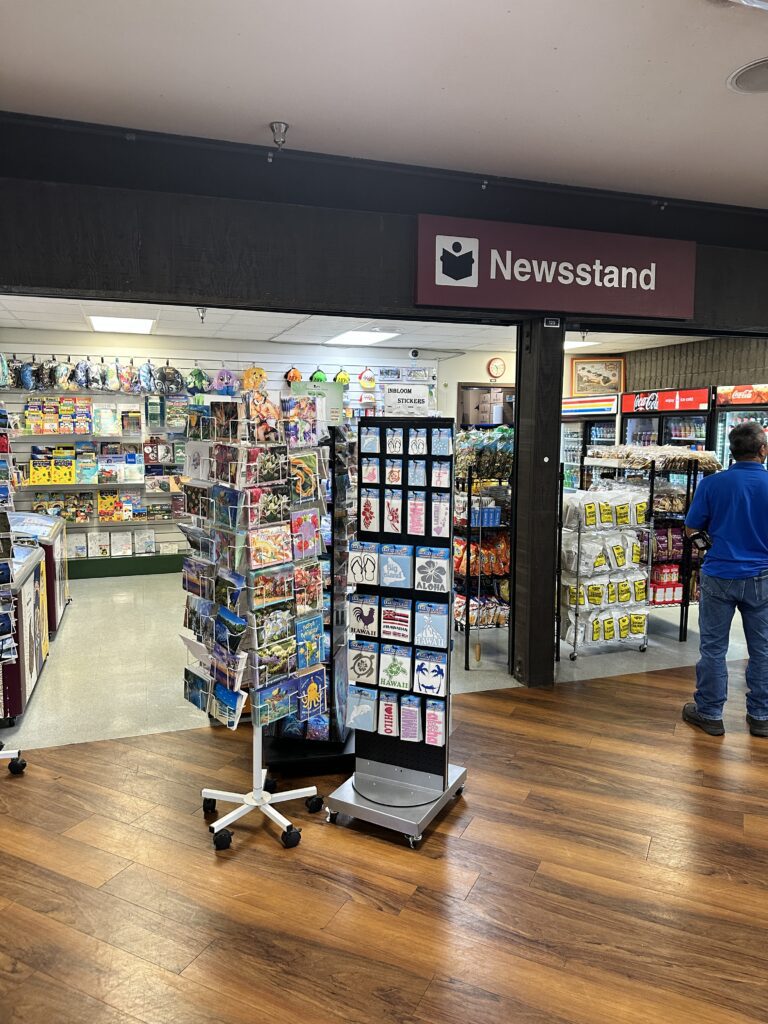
(719, 600)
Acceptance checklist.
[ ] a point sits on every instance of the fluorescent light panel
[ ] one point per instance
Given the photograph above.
(362, 337)
(578, 344)
(121, 324)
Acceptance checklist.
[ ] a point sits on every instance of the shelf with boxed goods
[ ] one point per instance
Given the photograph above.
(91, 459)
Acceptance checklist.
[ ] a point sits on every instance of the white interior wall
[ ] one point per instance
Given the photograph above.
(471, 368)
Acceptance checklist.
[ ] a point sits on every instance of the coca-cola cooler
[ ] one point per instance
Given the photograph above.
(680, 417)
(738, 403)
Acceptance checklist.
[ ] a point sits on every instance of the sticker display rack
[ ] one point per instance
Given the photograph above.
(400, 615)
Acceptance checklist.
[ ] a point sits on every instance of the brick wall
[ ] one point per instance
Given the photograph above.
(698, 364)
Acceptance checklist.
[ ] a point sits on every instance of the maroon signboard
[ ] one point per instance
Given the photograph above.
(743, 394)
(690, 400)
(482, 264)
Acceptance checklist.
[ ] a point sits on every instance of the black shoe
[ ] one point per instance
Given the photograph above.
(711, 726)
(757, 726)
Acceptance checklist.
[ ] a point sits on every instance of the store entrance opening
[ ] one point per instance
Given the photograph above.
(98, 436)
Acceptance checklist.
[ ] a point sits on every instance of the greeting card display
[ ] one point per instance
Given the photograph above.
(272, 703)
(267, 504)
(305, 531)
(269, 586)
(300, 416)
(364, 614)
(309, 641)
(313, 695)
(303, 472)
(277, 622)
(270, 545)
(229, 586)
(263, 418)
(266, 465)
(362, 662)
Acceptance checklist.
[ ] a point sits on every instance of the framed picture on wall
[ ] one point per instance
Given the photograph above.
(597, 376)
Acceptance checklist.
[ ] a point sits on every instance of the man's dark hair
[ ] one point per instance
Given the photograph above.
(746, 440)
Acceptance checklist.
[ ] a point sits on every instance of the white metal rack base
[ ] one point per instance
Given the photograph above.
(259, 799)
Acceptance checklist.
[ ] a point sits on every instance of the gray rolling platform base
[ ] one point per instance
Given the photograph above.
(397, 798)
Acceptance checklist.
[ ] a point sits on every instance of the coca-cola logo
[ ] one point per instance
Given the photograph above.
(745, 395)
(648, 402)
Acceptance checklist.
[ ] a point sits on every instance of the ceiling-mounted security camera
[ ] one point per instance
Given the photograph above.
(279, 133)
(414, 353)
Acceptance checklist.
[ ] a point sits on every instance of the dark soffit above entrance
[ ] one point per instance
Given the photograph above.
(46, 149)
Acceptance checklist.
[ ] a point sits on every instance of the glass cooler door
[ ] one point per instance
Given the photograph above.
(641, 430)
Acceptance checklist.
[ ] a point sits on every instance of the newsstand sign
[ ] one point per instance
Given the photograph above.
(474, 264)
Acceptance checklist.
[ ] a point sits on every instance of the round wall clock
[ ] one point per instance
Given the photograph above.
(496, 367)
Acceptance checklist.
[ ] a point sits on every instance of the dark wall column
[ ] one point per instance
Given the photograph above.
(538, 394)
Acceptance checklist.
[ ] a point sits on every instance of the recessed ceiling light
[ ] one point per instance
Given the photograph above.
(121, 324)
(362, 337)
(578, 344)
(752, 78)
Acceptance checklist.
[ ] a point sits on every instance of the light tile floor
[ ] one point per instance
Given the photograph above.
(115, 668)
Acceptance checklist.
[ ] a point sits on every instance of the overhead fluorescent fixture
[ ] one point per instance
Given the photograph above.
(761, 4)
(121, 324)
(568, 345)
(362, 337)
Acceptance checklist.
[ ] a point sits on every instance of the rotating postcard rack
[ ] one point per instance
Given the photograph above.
(399, 659)
(8, 649)
(254, 596)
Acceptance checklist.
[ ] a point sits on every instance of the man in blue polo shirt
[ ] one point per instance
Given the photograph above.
(732, 507)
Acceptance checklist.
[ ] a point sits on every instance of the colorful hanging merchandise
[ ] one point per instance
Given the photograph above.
(342, 377)
(293, 375)
(129, 379)
(168, 380)
(14, 372)
(29, 375)
(111, 376)
(318, 376)
(64, 376)
(225, 382)
(367, 379)
(254, 378)
(45, 374)
(198, 382)
(147, 377)
(86, 375)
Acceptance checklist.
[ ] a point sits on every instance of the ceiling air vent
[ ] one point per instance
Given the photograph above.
(751, 78)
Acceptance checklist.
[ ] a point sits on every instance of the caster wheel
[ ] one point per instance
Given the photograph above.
(573, 656)
(222, 840)
(413, 841)
(270, 785)
(331, 816)
(460, 791)
(314, 804)
(291, 837)
(643, 648)
(17, 766)
(209, 806)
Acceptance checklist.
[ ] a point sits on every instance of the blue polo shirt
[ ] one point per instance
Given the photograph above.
(733, 508)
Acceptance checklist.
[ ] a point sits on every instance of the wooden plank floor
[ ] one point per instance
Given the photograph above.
(607, 864)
